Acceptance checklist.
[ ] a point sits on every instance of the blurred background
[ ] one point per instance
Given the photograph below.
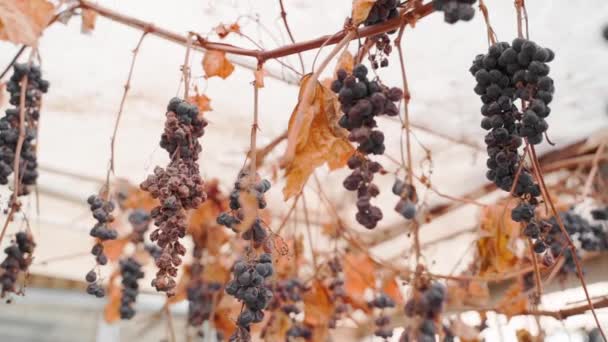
(87, 73)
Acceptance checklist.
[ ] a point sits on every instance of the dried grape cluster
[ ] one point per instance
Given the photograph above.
(18, 259)
(131, 272)
(178, 187)
(427, 303)
(102, 212)
(587, 236)
(10, 124)
(455, 10)
(506, 73)
(361, 101)
(383, 329)
(406, 206)
(233, 218)
(337, 291)
(381, 11)
(248, 286)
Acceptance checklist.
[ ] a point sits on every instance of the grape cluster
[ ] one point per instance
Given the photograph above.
(232, 219)
(337, 291)
(140, 221)
(131, 272)
(10, 123)
(381, 11)
(406, 206)
(589, 237)
(18, 259)
(427, 304)
(288, 298)
(102, 212)
(455, 10)
(383, 329)
(506, 73)
(248, 286)
(361, 101)
(178, 187)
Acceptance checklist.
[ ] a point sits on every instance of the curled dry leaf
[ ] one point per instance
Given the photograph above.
(111, 311)
(22, 21)
(361, 10)
(223, 30)
(215, 63)
(497, 234)
(346, 62)
(201, 101)
(225, 315)
(318, 306)
(317, 141)
(89, 17)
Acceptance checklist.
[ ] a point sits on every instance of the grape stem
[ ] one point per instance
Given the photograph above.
(293, 41)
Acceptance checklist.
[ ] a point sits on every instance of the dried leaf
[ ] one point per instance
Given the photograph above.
(113, 248)
(277, 327)
(181, 289)
(249, 206)
(463, 330)
(359, 275)
(224, 317)
(132, 197)
(217, 271)
(223, 30)
(346, 62)
(317, 142)
(514, 302)
(318, 306)
(111, 312)
(89, 17)
(361, 10)
(215, 63)
(390, 286)
(259, 78)
(22, 21)
(201, 101)
(498, 233)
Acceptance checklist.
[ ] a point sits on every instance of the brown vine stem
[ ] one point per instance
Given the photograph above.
(593, 172)
(186, 67)
(518, 4)
(284, 16)
(486, 16)
(10, 64)
(308, 97)
(120, 109)
(571, 246)
(254, 130)
(406, 125)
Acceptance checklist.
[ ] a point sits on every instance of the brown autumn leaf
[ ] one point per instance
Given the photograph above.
(249, 206)
(390, 286)
(346, 62)
(497, 233)
(89, 17)
(217, 271)
(361, 10)
(132, 197)
(113, 248)
(224, 317)
(514, 301)
(259, 77)
(201, 101)
(317, 141)
(215, 63)
(478, 293)
(318, 306)
(277, 327)
(22, 21)
(181, 289)
(223, 30)
(111, 311)
(358, 274)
